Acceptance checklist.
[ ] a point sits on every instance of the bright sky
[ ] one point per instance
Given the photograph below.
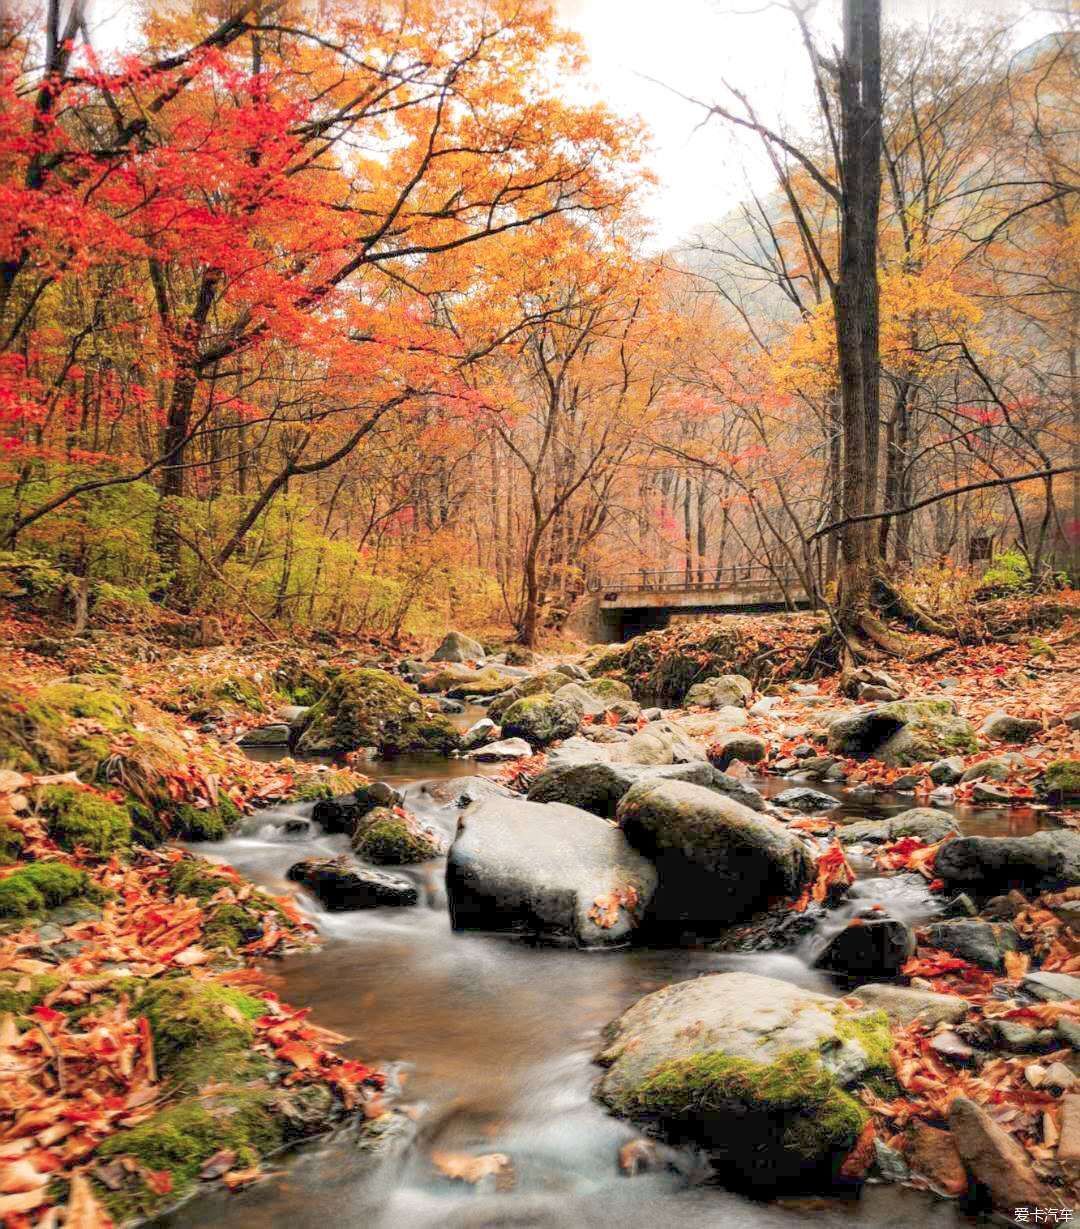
(693, 46)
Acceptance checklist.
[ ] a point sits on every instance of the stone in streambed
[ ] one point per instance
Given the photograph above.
(749, 748)
(806, 800)
(982, 944)
(923, 823)
(1004, 728)
(868, 947)
(996, 1162)
(392, 837)
(480, 734)
(457, 647)
(661, 742)
(545, 869)
(276, 735)
(906, 1003)
(750, 1068)
(541, 719)
(1045, 861)
(717, 860)
(341, 814)
(340, 885)
(505, 749)
(720, 692)
(1052, 987)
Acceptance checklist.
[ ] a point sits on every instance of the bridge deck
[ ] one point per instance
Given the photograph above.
(700, 589)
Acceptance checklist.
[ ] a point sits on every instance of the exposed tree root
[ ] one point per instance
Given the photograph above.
(893, 602)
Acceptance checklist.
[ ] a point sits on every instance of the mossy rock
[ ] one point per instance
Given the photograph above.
(334, 783)
(302, 682)
(541, 719)
(608, 689)
(79, 818)
(537, 684)
(779, 1121)
(229, 924)
(181, 1139)
(11, 844)
(1062, 779)
(38, 886)
(192, 823)
(370, 708)
(388, 838)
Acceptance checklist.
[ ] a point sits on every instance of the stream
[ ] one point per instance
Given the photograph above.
(491, 1041)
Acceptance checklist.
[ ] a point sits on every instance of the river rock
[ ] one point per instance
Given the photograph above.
(546, 869)
(461, 791)
(988, 792)
(458, 647)
(749, 748)
(720, 692)
(479, 735)
(572, 670)
(1052, 987)
(853, 682)
(947, 771)
(370, 708)
(661, 742)
(748, 1067)
(717, 860)
(1043, 862)
(868, 947)
(341, 814)
(1005, 728)
(276, 735)
(996, 769)
(983, 944)
(584, 700)
(996, 1161)
(933, 1155)
(599, 786)
(340, 885)
(807, 801)
(903, 1004)
(393, 837)
(541, 719)
(505, 749)
(902, 733)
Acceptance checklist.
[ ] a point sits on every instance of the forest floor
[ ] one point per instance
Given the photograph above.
(118, 949)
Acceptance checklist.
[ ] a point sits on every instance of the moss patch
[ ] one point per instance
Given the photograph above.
(872, 1034)
(22, 1001)
(201, 1029)
(817, 1121)
(389, 839)
(36, 733)
(193, 823)
(38, 886)
(11, 844)
(1062, 778)
(80, 818)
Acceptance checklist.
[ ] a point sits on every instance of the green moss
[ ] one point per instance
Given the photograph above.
(11, 844)
(101, 704)
(21, 1001)
(1063, 777)
(816, 1118)
(201, 1028)
(149, 824)
(31, 733)
(1038, 647)
(193, 823)
(181, 1139)
(39, 885)
(608, 689)
(242, 691)
(370, 708)
(80, 818)
(388, 839)
(872, 1033)
(196, 878)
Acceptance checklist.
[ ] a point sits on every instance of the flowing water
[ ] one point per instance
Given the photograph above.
(491, 1041)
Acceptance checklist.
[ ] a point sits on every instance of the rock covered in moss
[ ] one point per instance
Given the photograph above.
(370, 708)
(391, 837)
(78, 818)
(753, 1069)
(1061, 780)
(39, 885)
(541, 719)
(344, 812)
(903, 733)
(924, 823)
(717, 860)
(36, 733)
(1005, 728)
(546, 683)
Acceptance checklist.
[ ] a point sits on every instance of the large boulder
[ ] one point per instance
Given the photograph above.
(548, 870)
(341, 813)
(868, 947)
(923, 823)
(461, 681)
(582, 699)
(1043, 862)
(340, 885)
(536, 684)
(1003, 727)
(717, 860)
(459, 648)
(750, 1068)
(369, 708)
(902, 733)
(541, 719)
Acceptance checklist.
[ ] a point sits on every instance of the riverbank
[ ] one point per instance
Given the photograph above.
(152, 740)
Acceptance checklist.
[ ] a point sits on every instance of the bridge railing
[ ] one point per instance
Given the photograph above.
(682, 580)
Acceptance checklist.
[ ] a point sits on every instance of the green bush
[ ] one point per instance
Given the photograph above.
(1008, 573)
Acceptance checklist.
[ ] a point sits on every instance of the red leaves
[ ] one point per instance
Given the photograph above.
(833, 876)
(908, 854)
(605, 909)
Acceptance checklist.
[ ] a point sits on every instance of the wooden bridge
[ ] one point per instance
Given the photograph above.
(628, 603)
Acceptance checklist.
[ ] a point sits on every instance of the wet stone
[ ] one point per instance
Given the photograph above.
(875, 947)
(807, 801)
(342, 885)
